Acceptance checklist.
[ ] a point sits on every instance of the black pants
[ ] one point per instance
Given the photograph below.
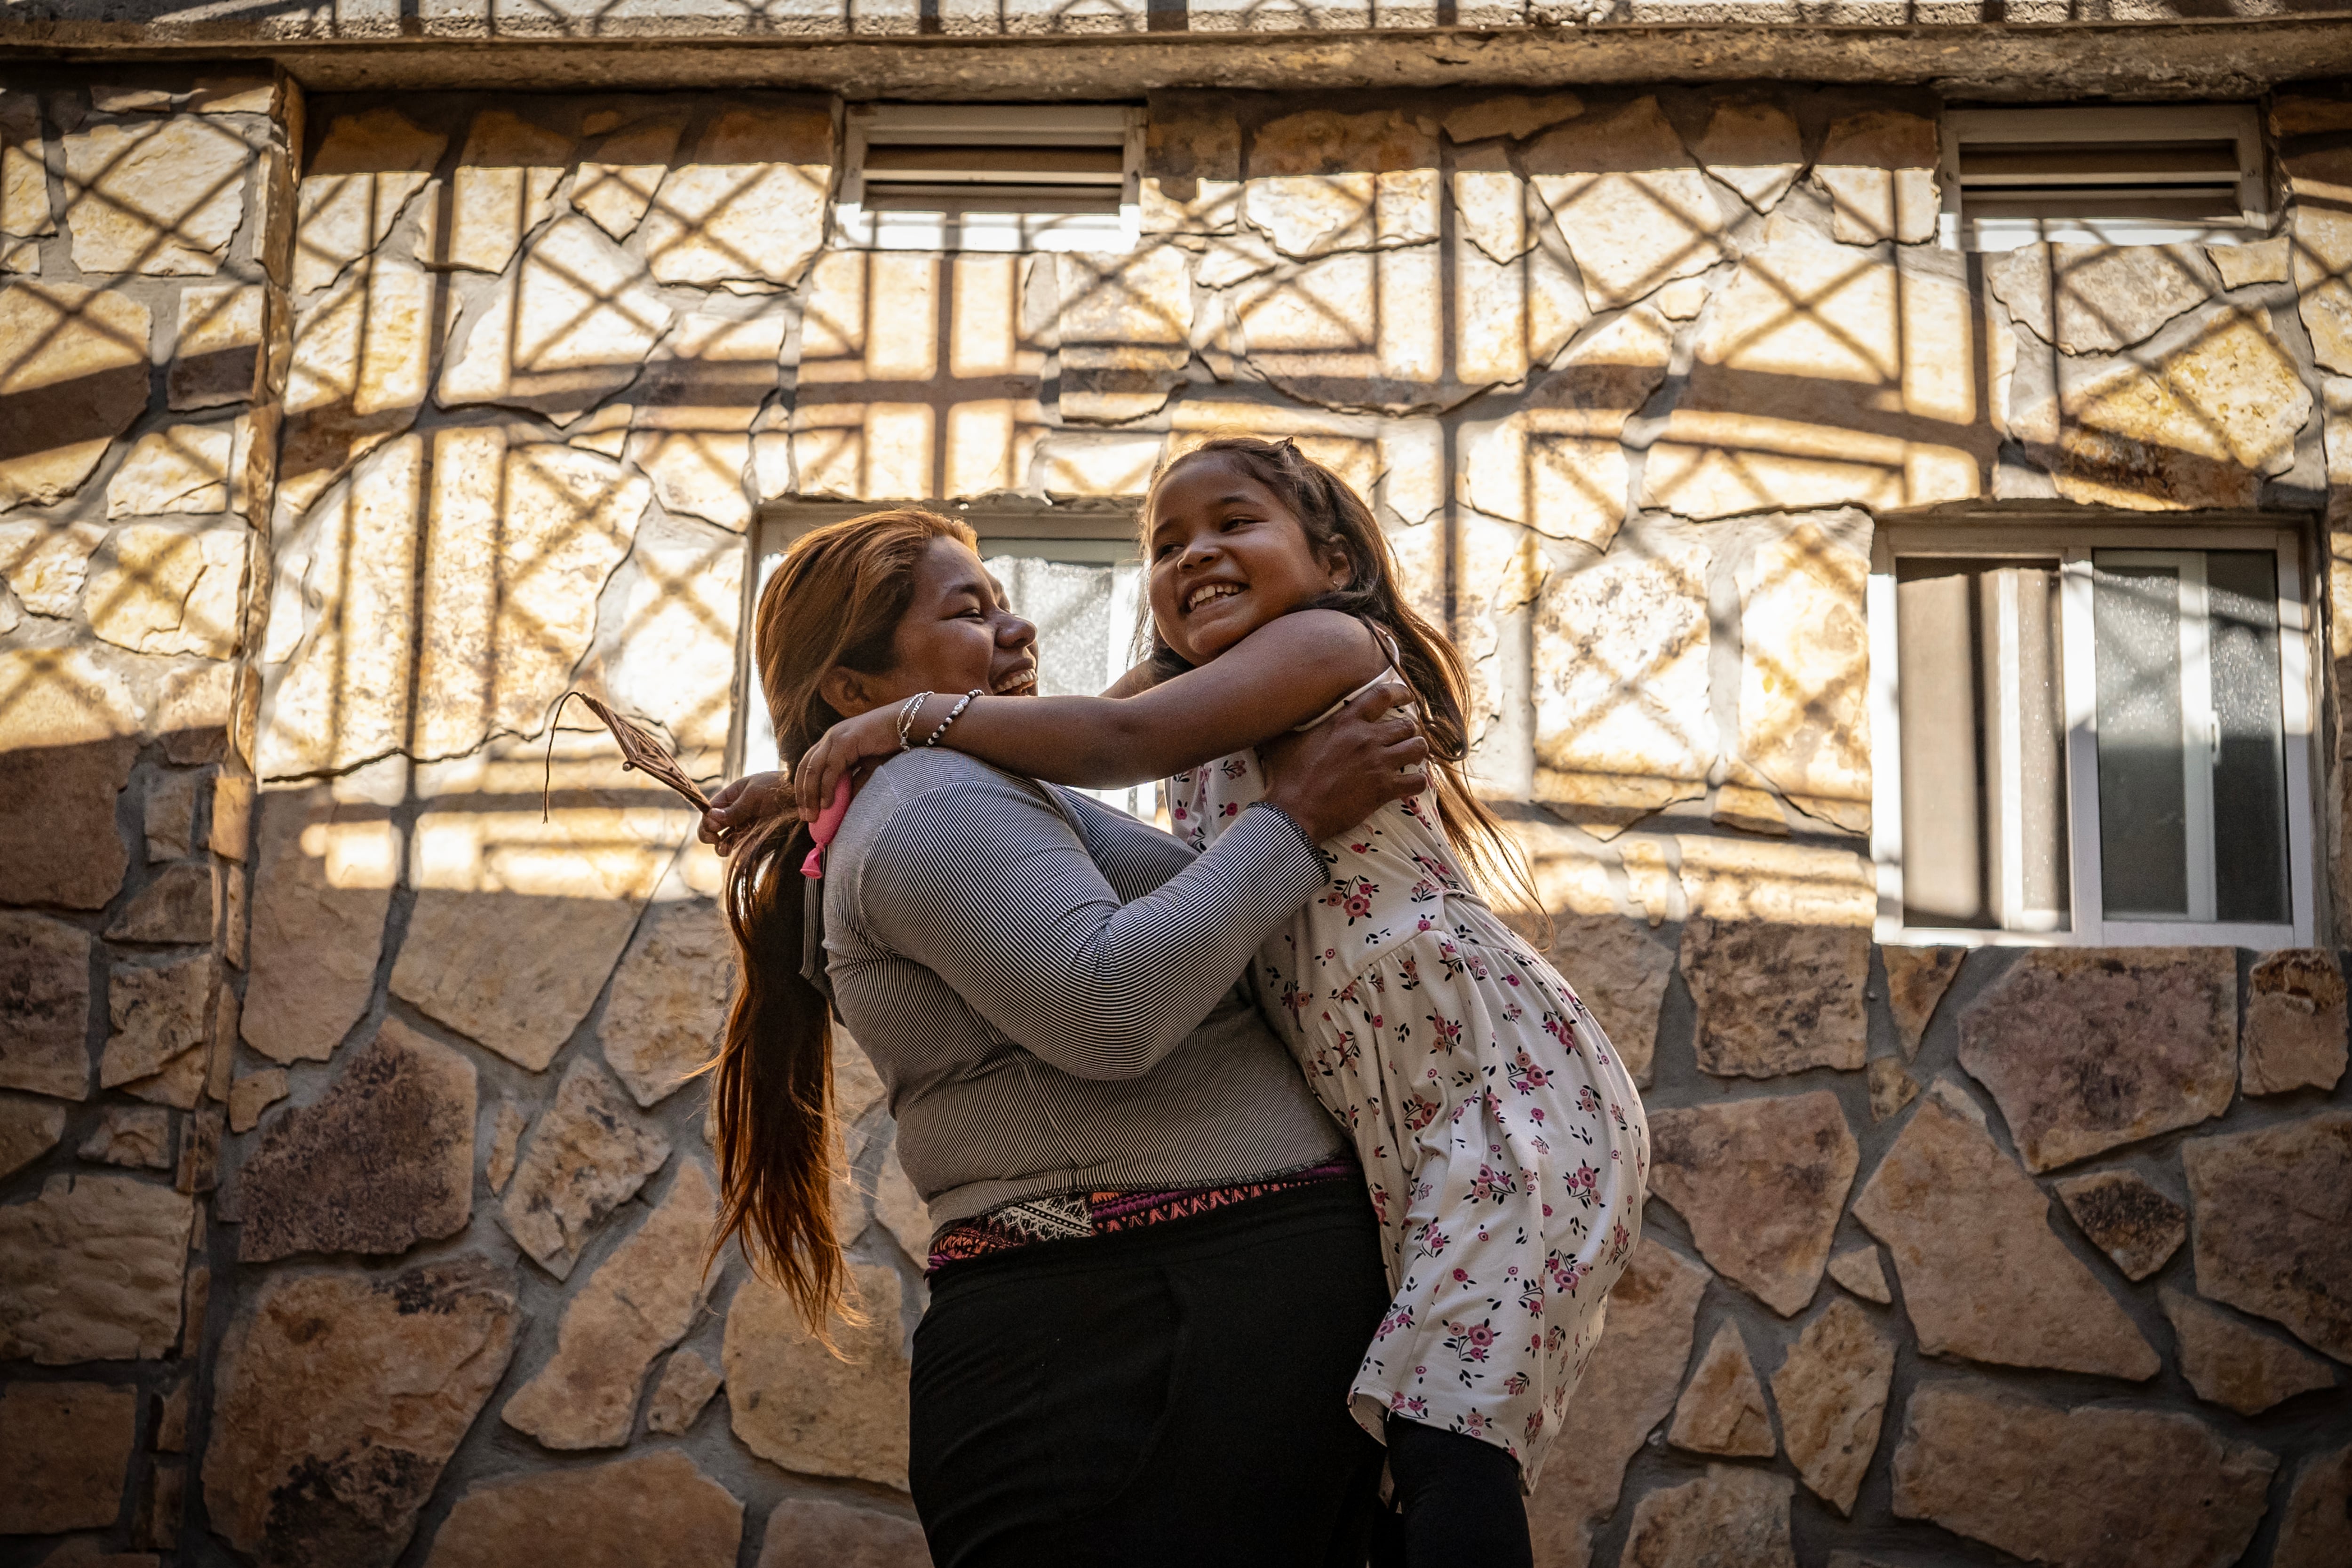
(1457, 1503)
(1176, 1394)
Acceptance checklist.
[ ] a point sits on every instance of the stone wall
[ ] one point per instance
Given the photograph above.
(144, 237)
(492, 398)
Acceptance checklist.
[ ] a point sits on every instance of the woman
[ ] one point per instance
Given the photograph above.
(1156, 1266)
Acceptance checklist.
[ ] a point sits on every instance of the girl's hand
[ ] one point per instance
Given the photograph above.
(843, 750)
(750, 800)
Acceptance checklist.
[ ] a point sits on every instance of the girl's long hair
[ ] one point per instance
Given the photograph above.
(836, 598)
(1335, 516)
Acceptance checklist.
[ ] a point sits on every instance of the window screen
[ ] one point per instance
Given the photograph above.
(1088, 612)
(1984, 778)
(2193, 768)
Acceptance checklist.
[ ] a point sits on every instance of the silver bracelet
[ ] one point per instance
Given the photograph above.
(954, 713)
(907, 711)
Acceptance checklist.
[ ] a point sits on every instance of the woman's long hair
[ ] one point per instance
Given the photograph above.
(1335, 516)
(836, 599)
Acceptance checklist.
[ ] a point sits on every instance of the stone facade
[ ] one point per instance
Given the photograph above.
(354, 1181)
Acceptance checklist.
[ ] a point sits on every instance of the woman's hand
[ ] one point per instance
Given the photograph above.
(750, 800)
(1340, 771)
(846, 750)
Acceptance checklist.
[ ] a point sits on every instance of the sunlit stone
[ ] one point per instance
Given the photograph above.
(183, 469)
(1125, 326)
(218, 350)
(748, 203)
(1752, 146)
(1192, 165)
(616, 186)
(170, 591)
(1804, 671)
(1825, 375)
(23, 182)
(45, 561)
(1636, 213)
(77, 381)
(1622, 721)
(1321, 182)
(159, 197)
(344, 611)
(1556, 464)
(520, 539)
(503, 188)
(361, 362)
(1353, 330)
(694, 409)
(871, 316)
(569, 328)
(864, 451)
(2195, 418)
(683, 597)
(355, 189)
(1879, 169)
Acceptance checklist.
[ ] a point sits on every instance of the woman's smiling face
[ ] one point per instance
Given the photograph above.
(957, 633)
(1227, 557)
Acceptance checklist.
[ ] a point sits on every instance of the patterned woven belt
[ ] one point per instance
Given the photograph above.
(1073, 1216)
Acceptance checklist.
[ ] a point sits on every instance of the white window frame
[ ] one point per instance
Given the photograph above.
(2072, 544)
(2238, 122)
(1093, 532)
(998, 124)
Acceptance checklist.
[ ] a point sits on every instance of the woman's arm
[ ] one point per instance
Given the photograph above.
(989, 888)
(987, 885)
(1284, 673)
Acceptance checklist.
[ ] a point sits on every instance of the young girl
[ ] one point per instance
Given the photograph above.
(1503, 1142)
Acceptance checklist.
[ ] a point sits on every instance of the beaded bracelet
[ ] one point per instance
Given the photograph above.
(907, 711)
(954, 713)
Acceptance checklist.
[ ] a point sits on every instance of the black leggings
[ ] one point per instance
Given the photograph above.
(1459, 1500)
(1175, 1394)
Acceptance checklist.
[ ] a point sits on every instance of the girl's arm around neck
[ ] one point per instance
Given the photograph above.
(1275, 679)
(1142, 678)
(1280, 676)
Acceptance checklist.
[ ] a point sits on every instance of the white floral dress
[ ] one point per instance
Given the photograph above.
(1503, 1141)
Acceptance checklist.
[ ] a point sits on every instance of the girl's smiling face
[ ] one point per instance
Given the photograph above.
(1227, 557)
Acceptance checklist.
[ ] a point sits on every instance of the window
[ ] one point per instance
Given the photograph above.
(2120, 176)
(2094, 734)
(1074, 570)
(961, 177)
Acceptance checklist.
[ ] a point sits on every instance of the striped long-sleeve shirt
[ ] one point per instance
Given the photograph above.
(1049, 989)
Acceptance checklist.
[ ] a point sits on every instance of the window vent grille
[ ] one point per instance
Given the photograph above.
(967, 177)
(2124, 176)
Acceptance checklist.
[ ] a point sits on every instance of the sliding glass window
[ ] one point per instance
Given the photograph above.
(2105, 740)
(2193, 768)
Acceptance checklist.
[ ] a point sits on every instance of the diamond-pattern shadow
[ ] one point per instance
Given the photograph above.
(482, 418)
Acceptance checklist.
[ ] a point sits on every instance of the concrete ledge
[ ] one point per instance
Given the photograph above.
(894, 50)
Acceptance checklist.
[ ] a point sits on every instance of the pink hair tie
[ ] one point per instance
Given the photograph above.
(827, 824)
